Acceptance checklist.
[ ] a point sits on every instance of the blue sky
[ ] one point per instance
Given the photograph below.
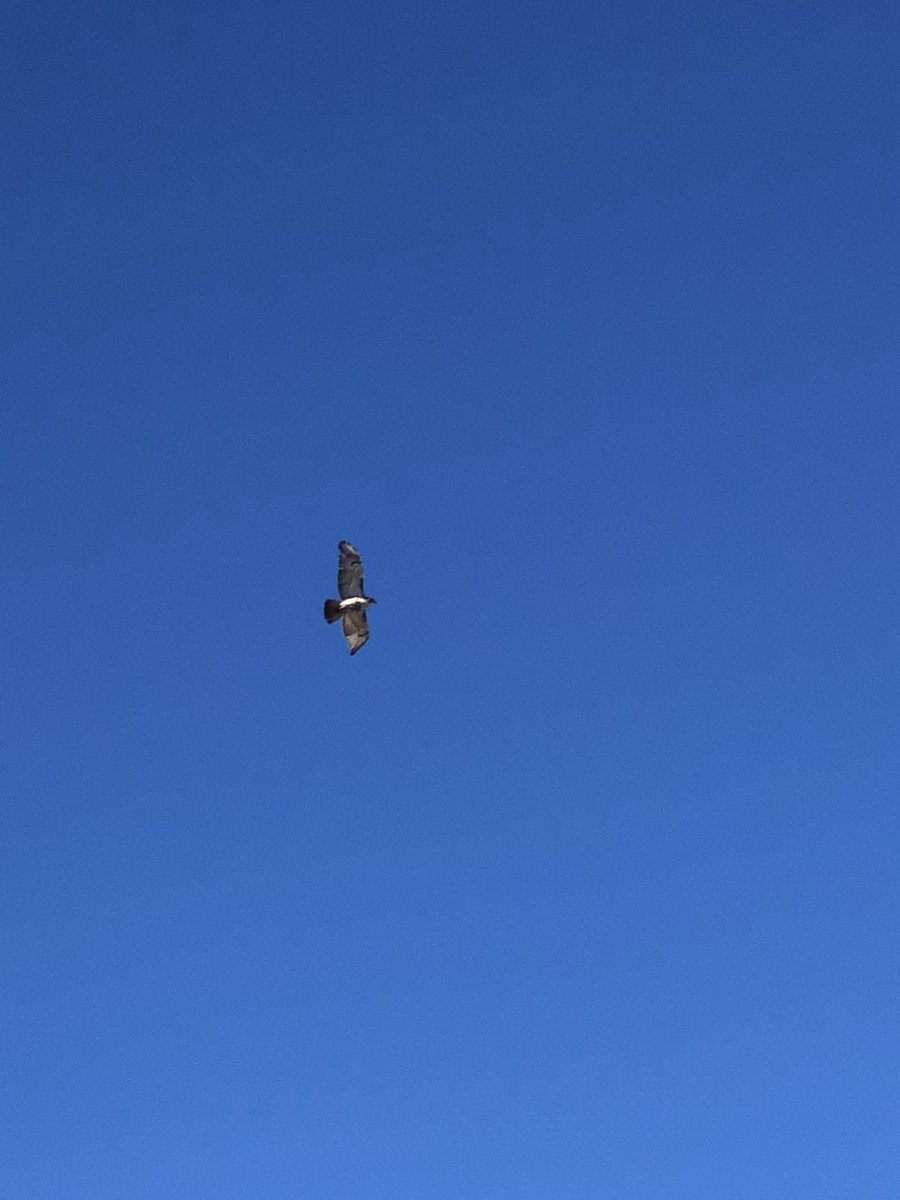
(580, 321)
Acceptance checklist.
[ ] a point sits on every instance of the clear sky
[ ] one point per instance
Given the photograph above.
(581, 879)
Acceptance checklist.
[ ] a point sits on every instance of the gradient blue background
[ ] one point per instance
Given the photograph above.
(580, 320)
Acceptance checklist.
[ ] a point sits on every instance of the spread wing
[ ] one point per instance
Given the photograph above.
(350, 574)
(356, 628)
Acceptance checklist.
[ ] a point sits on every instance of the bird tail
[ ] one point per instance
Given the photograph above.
(332, 611)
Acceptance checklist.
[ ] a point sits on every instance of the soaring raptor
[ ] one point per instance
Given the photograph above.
(353, 602)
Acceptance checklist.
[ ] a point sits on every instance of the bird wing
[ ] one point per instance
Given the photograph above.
(356, 628)
(350, 572)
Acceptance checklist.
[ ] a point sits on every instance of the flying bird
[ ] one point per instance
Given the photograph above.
(351, 607)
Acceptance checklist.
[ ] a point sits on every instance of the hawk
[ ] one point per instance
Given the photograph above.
(353, 602)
